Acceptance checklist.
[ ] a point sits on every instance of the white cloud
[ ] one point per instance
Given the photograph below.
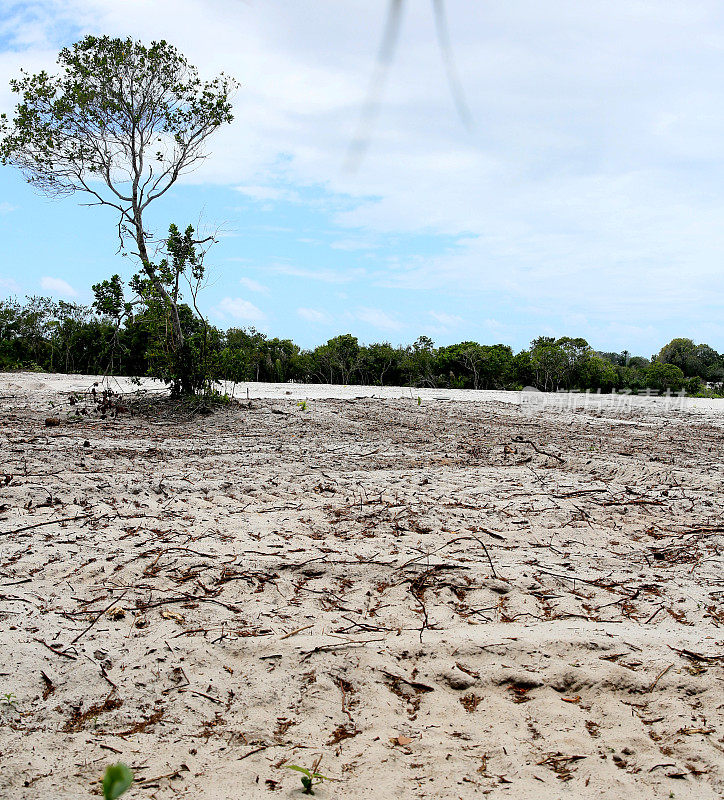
(378, 319)
(323, 275)
(353, 245)
(313, 316)
(448, 320)
(10, 286)
(7, 208)
(57, 286)
(254, 286)
(270, 193)
(239, 309)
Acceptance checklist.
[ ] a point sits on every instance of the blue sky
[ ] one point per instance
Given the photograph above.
(586, 200)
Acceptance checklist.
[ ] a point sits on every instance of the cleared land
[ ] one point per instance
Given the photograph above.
(445, 600)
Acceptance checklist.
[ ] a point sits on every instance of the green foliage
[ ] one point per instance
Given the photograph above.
(116, 781)
(109, 301)
(377, 362)
(249, 355)
(548, 363)
(310, 777)
(710, 394)
(558, 363)
(662, 377)
(597, 373)
(184, 362)
(79, 123)
(8, 699)
(522, 369)
(419, 363)
(694, 360)
(124, 336)
(338, 359)
(55, 336)
(480, 366)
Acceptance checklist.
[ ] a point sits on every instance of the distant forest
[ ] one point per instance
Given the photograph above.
(56, 336)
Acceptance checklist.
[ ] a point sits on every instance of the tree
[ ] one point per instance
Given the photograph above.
(576, 353)
(281, 356)
(549, 363)
(458, 365)
(11, 343)
(694, 360)
(419, 362)
(522, 369)
(481, 366)
(120, 123)
(681, 353)
(377, 361)
(337, 359)
(710, 362)
(497, 367)
(37, 322)
(664, 376)
(598, 373)
(186, 366)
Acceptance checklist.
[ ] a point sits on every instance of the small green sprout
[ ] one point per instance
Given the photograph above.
(9, 699)
(116, 781)
(302, 404)
(419, 400)
(310, 777)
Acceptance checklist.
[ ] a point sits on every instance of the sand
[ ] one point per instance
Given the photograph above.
(473, 595)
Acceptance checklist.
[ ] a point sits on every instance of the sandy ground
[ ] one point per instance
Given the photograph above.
(460, 597)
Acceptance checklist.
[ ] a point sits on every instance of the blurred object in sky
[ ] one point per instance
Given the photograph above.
(371, 107)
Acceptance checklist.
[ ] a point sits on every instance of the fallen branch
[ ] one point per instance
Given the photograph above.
(47, 522)
(98, 616)
(520, 440)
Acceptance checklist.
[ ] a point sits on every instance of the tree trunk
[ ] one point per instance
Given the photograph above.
(182, 382)
(148, 268)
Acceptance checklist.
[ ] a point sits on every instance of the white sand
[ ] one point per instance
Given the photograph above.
(436, 608)
(54, 383)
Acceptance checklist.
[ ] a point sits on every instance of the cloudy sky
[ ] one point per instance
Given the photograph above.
(587, 198)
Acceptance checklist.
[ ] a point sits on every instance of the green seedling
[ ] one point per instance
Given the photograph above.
(9, 699)
(310, 777)
(419, 400)
(302, 404)
(116, 781)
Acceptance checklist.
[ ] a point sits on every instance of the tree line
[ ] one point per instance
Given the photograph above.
(58, 336)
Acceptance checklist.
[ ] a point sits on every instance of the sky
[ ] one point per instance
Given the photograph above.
(585, 199)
